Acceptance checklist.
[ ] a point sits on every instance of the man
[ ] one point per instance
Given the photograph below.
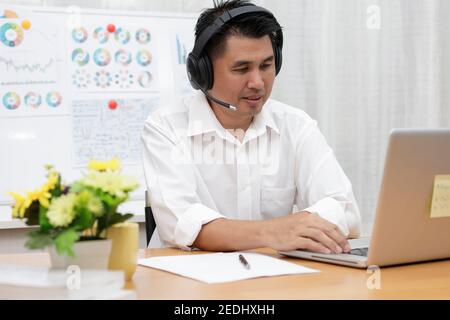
(258, 157)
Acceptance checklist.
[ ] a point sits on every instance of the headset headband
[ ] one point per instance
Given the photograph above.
(204, 37)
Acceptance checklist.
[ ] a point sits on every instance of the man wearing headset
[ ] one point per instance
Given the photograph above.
(258, 157)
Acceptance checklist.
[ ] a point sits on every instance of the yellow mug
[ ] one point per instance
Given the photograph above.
(124, 249)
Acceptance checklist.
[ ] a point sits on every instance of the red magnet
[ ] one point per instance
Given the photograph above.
(111, 28)
(112, 104)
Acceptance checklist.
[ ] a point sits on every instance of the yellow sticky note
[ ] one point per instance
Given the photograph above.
(440, 205)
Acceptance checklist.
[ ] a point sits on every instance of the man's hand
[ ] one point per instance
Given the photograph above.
(305, 231)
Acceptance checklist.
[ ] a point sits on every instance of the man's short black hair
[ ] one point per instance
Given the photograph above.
(255, 25)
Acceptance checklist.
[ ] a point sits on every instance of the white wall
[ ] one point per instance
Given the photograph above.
(356, 81)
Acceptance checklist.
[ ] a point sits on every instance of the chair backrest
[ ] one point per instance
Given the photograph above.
(150, 224)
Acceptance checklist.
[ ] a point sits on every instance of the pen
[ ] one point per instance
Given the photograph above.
(244, 262)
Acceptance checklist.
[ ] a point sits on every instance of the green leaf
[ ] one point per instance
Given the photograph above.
(102, 224)
(108, 221)
(84, 219)
(65, 240)
(119, 218)
(38, 239)
(43, 220)
(109, 200)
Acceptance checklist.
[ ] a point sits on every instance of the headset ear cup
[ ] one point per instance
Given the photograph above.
(192, 71)
(201, 72)
(208, 72)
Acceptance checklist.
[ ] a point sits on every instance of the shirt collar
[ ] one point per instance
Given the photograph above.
(265, 119)
(201, 117)
(203, 120)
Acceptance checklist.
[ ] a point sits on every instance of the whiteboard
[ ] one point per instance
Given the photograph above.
(73, 88)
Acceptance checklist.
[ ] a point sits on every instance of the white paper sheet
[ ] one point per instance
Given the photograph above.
(224, 267)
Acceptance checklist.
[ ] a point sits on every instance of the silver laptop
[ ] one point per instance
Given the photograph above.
(403, 230)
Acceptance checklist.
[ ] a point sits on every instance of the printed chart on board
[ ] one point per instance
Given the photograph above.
(31, 67)
(107, 58)
(182, 43)
(73, 92)
(102, 133)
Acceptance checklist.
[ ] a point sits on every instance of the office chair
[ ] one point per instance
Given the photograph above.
(150, 224)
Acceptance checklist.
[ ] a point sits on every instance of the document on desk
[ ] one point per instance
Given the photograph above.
(224, 267)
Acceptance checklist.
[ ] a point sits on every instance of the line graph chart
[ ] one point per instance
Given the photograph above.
(26, 67)
(10, 65)
(31, 68)
(35, 61)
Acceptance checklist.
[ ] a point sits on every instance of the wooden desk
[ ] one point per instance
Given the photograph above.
(429, 280)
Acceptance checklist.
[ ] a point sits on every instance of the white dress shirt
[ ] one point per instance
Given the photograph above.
(197, 171)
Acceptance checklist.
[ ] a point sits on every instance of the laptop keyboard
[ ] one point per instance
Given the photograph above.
(360, 252)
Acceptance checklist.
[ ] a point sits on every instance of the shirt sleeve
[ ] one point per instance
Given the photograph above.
(323, 187)
(172, 186)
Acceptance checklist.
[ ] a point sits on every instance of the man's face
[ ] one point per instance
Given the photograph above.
(244, 74)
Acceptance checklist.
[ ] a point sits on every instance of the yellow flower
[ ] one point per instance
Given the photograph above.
(110, 182)
(52, 180)
(95, 206)
(44, 198)
(23, 203)
(91, 202)
(61, 211)
(42, 195)
(18, 209)
(110, 165)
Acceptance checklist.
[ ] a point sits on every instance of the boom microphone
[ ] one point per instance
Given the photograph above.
(219, 102)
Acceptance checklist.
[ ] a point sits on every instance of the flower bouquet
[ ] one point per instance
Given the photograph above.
(81, 211)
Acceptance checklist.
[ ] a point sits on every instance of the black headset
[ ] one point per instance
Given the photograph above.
(198, 64)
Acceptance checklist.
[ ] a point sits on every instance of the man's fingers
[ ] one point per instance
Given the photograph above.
(332, 231)
(339, 238)
(311, 245)
(321, 237)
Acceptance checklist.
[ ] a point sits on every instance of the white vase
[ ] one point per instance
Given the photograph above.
(89, 254)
